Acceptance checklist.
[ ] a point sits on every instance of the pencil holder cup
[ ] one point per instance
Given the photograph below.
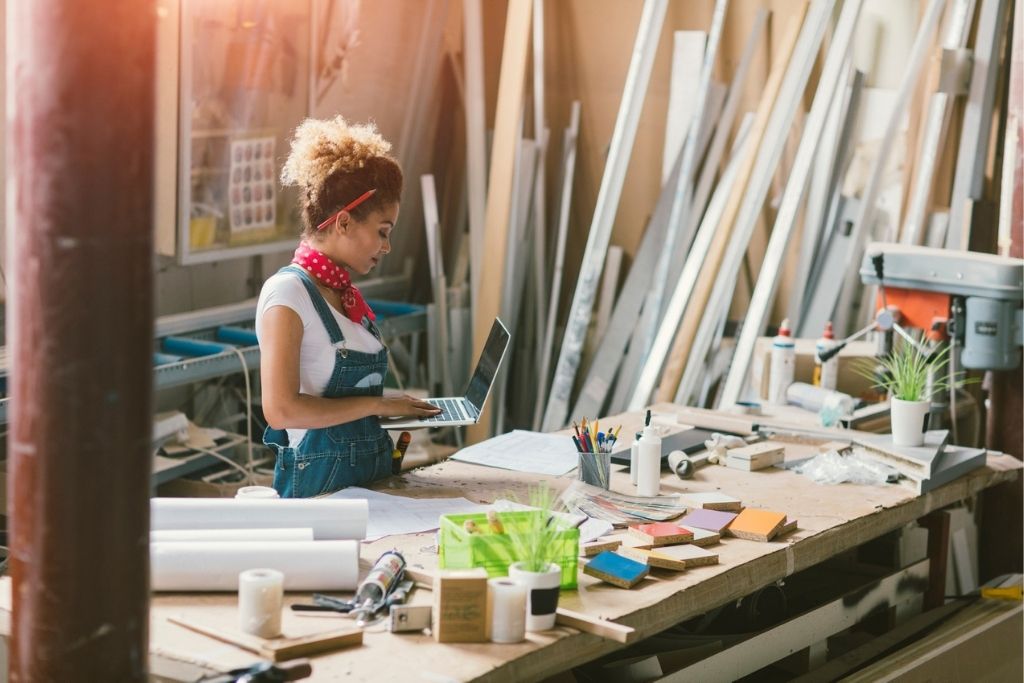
(595, 469)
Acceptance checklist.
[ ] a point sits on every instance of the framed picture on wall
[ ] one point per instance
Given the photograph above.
(243, 82)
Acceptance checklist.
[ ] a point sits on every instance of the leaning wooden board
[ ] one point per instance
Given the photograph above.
(832, 520)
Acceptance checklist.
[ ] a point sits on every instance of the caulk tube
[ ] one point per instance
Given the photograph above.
(378, 583)
(783, 363)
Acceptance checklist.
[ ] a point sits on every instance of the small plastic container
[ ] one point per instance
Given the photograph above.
(460, 549)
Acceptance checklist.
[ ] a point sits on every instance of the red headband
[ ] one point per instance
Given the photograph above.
(348, 207)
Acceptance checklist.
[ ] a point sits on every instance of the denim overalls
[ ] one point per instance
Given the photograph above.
(350, 454)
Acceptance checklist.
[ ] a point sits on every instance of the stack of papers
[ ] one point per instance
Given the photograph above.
(523, 451)
(393, 515)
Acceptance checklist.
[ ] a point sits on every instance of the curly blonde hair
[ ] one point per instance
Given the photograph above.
(333, 161)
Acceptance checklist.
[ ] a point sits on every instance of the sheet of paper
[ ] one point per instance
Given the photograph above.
(393, 515)
(523, 451)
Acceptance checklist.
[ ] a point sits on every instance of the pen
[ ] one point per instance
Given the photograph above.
(576, 429)
(579, 448)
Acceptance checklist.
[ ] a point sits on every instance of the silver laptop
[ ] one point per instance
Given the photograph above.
(465, 410)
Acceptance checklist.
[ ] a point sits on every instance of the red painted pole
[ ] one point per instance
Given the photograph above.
(80, 106)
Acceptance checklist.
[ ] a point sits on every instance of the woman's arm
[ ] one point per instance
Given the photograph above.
(286, 408)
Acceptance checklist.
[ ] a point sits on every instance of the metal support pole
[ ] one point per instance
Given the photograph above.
(80, 318)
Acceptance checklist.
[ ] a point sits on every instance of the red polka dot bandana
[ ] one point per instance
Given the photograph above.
(334, 276)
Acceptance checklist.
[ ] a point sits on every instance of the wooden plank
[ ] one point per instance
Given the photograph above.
(786, 218)
(864, 224)
(476, 134)
(624, 134)
(499, 187)
(572, 134)
(712, 319)
(278, 649)
(698, 300)
(598, 627)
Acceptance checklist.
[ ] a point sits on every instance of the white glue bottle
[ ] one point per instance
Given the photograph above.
(783, 363)
(648, 480)
(634, 459)
(826, 374)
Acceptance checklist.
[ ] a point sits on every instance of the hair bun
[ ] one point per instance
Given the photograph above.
(322, 147)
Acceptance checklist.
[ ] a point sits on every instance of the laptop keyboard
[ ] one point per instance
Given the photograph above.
(452, 410)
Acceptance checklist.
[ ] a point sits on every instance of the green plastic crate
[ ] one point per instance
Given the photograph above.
(459, 549)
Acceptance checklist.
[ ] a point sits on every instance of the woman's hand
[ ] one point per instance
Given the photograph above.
(404, 405)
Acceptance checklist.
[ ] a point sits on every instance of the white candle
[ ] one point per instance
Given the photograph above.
(257, 492)
(507, 606)
(259, 601)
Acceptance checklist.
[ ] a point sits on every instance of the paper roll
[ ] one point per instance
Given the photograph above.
(330, 519)
(257, 492)
(506, 600)
(209, 535)
(306, 565)
(260, 592)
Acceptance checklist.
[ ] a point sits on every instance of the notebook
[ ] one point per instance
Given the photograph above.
(464, 410)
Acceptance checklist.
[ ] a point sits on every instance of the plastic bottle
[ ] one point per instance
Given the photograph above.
(826, 374)
(783, 362)
(634, 461)
(649, 462)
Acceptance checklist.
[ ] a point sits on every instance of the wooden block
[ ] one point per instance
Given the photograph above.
(757, 525)
(703, 537)
(661, 533)
(653, 558)
(689, 555)
(616, 569)
(710, 520)
(759, 455)
(786, 528)
(711, 500)
(460, 606)
(752, 465)
(598, 547)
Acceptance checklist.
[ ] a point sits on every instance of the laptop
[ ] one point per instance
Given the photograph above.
(457, 411)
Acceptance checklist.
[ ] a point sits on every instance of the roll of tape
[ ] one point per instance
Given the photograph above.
(507, 599)
(260, 592)
(257, 492)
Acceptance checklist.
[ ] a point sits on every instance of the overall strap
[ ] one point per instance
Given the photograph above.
(319, 303)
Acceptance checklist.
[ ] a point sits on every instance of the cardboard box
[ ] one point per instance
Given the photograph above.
(460, 606)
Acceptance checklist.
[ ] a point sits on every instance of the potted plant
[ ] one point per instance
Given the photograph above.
(911, 376)
(533, 543)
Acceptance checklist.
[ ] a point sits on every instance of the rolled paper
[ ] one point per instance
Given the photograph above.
(210, 535)
(507, 607)
(260, 592)
(330, 519)
(306, 565)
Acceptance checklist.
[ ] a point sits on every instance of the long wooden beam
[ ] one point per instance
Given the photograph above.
(499, 187)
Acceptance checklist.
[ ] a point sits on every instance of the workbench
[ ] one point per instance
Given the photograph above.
(832, 520)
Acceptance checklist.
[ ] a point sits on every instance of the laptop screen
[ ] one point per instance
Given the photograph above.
(487, 368)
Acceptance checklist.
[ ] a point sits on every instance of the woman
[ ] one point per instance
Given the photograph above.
(322, 362)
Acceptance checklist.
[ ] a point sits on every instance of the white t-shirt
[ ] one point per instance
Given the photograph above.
(317, 354)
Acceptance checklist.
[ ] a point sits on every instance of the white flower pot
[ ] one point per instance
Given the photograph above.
(908, 421)
(542, 595)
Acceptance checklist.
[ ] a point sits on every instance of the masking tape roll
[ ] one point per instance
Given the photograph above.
(260, 593)
(507, 598)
